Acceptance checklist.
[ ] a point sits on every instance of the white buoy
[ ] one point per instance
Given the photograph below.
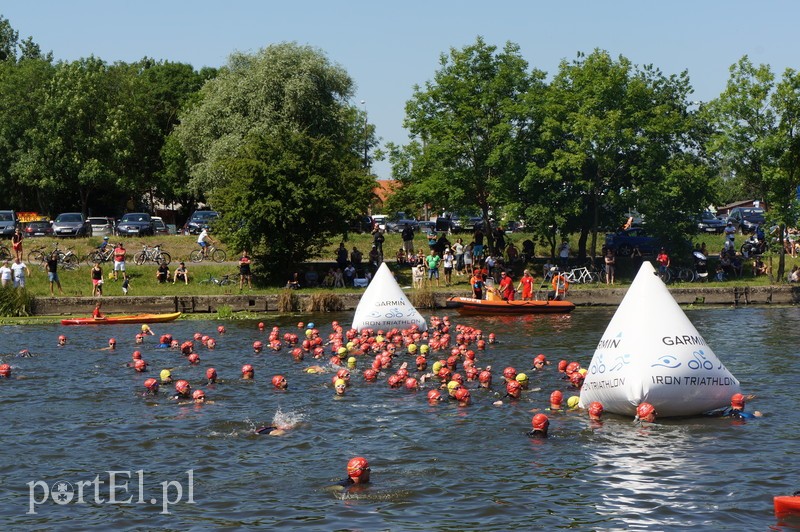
(652, 353)
(384, 305)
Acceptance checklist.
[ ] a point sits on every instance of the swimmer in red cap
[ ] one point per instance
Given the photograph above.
(151, 385)
(248, 373)
(183, 390)
(556, 400)
(513, 389)
(211, 375)
(258, 346)
(62, 340)
(279, 382)
(596, 411)
(357, 471)
(539, 362)
(140, 365)
(194, 358)
(462, 395)
(540, 424)
(485, 379)
(736, 409)
(199, 396)
(645, 412)
(5, 371)
(434, 396)
(112, 345)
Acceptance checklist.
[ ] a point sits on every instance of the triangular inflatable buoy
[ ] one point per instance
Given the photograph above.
(384, 305)
(652, 353)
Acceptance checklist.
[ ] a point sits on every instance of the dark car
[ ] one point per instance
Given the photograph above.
(40, 228)
(198, 220)
(136, 224)
(708, 223)
(71, 224)
(397, 226)
(362, 224)
(624, 242)
(160, 226)
(746, 219)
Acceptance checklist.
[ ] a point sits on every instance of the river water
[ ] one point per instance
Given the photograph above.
(74, 413)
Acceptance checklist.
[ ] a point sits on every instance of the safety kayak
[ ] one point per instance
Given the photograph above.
(116, 320)
(469, 305)
(785, 504)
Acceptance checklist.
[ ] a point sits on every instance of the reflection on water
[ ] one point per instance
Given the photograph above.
(75, 412)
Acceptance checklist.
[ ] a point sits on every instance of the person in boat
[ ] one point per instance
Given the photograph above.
(525, 286)
(477, 284)
(541, 423)
(96, 313)
(506, 286)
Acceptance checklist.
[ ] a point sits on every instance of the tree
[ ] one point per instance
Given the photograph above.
(757, 137)
(469, 129)
(282, 86)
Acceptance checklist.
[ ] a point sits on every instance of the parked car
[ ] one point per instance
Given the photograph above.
(397, 226)
(8, 222)
(380, 219)
(160, 226)
(427, 227)
(362, 224)
(71, 224)
(38, 228)
(198, 220)
(746, 219)
(136, 224)
(623, 242)
(708, 223)
(101, 225)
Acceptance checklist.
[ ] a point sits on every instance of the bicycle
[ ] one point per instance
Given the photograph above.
(100, 255)
(37, 255)
(217, 255)
(681, 273)
(153, 254)
(581, 275)
(68, 260)
(225, 280)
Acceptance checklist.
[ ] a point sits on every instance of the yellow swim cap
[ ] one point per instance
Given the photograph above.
(350, 345)
(583, 371)
(351, 362)
(309, 332)
(341, 350)
(423, 348)
(437, 366)
(452, 385)
(165, 374)
(521, 377)
(379, 338)
(573, 401)
(339, 382)
(412, 348)
(145, 327)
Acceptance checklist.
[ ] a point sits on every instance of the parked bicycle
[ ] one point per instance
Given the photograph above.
(152, 254)
(225, 280)
(217, 255)
(582, 275)
(68, 260)
(100, 255)
(38, 255)
(5, 253)
(677, 273)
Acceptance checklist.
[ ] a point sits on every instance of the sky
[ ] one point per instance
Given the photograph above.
(389, 47)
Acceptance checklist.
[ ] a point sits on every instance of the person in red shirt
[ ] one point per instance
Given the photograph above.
(119, 261)
(526, 285)
(663, 262)
(506, 287)
(244, 271)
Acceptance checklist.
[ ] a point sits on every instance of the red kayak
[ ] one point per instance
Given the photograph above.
(116, 320)
(787, 504)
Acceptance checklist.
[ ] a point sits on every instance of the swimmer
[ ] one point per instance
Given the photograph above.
(199, 397)
(5, 371)
(462, 395)
(62, 340)
(509, 374)
(340, 386)
(183, 390)
(645, 412)
(513, 389)
(434, 396)
(146, 330)
(194, 358)
(139, 339)
(281, 423)
(522, 379)
(556, 400)
(539, 362)
(248, 373)
(258, 346)
(573, 402)
(736, 409)
(540, 424)
(485, 379)
(211, 376)
(166, 376)
(151, 385)
(357, 472)
(140, 365)
(279, 382)
(596, 411)
(112, 345)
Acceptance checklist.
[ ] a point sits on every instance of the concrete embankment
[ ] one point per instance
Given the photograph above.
(727, 296)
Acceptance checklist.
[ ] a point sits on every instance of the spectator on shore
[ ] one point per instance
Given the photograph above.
(245, 276)
(181, 274)
(162, 273)
(341, 256)
(408, 239)
(119, 260)
(97, 279)
(16, 243)
(294, 281)
(52, 272)
(5, 274)
(356, 257)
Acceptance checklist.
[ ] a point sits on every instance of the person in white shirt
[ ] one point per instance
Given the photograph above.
(20, 270)
(203, 240)
(5, 274)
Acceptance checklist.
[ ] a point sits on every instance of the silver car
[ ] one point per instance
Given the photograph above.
(101, 225)
(71, 224)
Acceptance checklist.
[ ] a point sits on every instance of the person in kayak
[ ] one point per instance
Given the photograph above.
(96, 313)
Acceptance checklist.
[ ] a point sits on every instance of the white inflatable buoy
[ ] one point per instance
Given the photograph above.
(652, 353)
(384, 305)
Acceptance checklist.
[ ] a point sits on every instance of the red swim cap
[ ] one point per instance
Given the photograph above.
(62, 338)
(434, 395)
(182, 387)
(343, 374)
(556, 398)
(112, 341)
(540, 423)
(258, 345)
(737, 401)
(394, 381)
(211, 373)
(137, 355)
(194, 358)
(370, 375)
(462, 395)
(572, 367)
(596, 409)
(198, 394)
(576, 379)
(140, 365)
(645, 410)
(247, 368)
(151, 384)
(5, 370)
(411, 383)
(513, 388)
(562, 365)
(485, 376)
(357, 466)
(221, 329)
(510, 373)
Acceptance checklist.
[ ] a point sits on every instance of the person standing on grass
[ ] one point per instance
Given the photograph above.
(5, 274)
(244, 271)
(97, 280)
(20, 270)
(52, 273)
(16, 243)
(610, 261)
(119, 260)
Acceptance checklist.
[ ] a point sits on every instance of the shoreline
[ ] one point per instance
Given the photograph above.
(734, 295)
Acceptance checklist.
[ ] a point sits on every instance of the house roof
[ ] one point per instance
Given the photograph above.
(385, 188)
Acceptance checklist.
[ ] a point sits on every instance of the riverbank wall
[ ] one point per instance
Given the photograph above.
(68, 306)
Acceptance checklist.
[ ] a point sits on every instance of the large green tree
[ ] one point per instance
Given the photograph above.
(470, 131)
(757, 123)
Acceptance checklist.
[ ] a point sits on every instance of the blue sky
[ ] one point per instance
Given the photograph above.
(388, 47)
